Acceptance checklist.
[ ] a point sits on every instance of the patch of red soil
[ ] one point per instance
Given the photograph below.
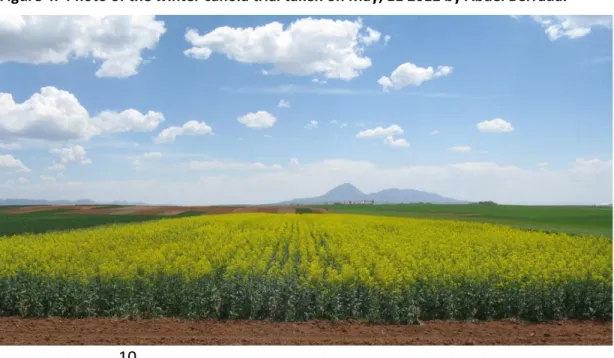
(99, 331)
(33, 209)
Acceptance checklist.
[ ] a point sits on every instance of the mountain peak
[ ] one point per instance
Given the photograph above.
(345, 190)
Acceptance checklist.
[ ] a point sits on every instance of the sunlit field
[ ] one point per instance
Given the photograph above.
(290, 267)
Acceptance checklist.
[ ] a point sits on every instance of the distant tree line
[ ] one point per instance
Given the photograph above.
(488, 202)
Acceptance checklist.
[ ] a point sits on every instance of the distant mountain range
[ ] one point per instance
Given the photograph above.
(348, 192)
(60, 202)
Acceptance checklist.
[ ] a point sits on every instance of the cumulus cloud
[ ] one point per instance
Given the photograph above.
(380, 132)
(260, 119)
(152, 155)
(398, 143)
(170, 134)
(69, 155)
(330, 48)
(542, 164)
(497, 125)
(283, 104)
(312, 125)
(461, 149)
(572, 26)
(229, 165)
(294, 161)
(9, 163)
(116, 41)
(435, 132)
(409, 74)
(129, 120)
(47, 178)
(57, 115)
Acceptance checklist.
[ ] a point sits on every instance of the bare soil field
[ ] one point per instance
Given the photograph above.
(99, 331)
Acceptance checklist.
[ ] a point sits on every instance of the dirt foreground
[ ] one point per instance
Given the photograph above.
(57, 331)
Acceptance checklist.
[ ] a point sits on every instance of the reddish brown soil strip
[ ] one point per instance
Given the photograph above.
(286, 210)
(55, 331)
(32, 209)
(171, 212)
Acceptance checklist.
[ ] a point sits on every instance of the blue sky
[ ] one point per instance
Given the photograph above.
(541, 87)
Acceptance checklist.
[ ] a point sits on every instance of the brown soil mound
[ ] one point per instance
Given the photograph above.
(98, 331)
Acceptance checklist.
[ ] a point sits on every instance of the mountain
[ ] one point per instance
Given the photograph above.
(348, 192)
(4, 202)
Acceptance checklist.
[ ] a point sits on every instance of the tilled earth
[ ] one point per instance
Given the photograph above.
(100, 331)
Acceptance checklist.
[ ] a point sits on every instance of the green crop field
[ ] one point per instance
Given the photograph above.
(593, 220)
(57, 220)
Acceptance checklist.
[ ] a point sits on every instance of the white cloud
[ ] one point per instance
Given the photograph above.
(435, 132)
(502, 183)
(343, 125)
(260, 119)
(23, 181)
(283, 104)
(572, 26)
(334, 121)
(57, 115)
(294, 161)
(371, 36)
(409, 74)
(319, 81)
(398, 143)
(170, 134)
(461, 149)
(593, 165)
(69, 155)
(129, 120)
(8, 162)
(312, 125)
(136, 163)
(229, 165)
(380, 132)
(306, 47)
(387, 39)
(57, 167)
(268, 136)
(116, 41)
(152, 155)
(47, 178)
(542, 164)
(497, 125)
(9, 146)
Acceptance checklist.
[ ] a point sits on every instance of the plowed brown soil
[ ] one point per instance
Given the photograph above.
(98, 331)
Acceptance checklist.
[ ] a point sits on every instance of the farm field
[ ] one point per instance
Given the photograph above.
(594, 220)
(39, 219)
(306, 267)
(322, 279)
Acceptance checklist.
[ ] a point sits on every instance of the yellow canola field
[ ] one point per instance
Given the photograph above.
(312, 249)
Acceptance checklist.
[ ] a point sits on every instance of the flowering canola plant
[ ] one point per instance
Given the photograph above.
(293, 267)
